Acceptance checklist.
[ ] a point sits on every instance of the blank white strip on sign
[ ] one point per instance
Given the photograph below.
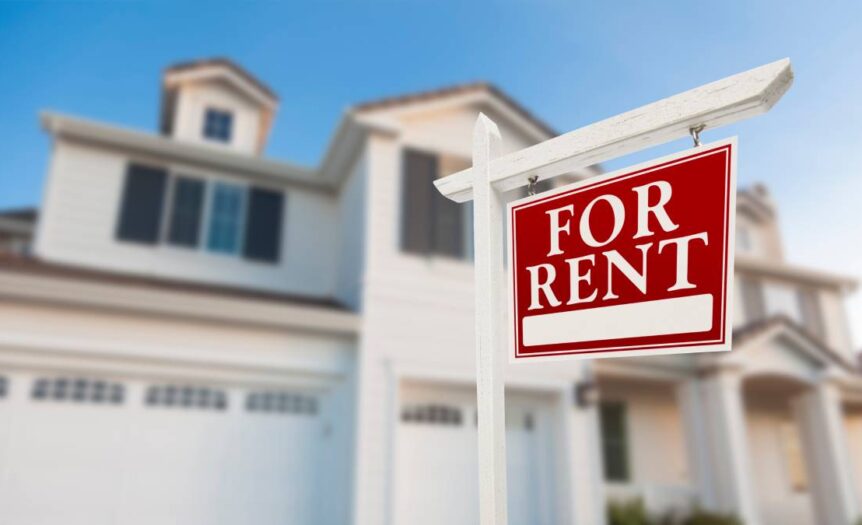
(660, 317)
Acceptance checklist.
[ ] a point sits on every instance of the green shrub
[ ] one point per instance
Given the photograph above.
(634, 512)
(700, 517)
(628, 513)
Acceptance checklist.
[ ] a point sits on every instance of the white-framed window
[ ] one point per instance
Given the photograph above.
(227, 203)
(794, 457)
(615, 441)
(218, 124)
(782, 299)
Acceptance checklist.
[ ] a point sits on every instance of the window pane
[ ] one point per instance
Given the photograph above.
(263, 225)
(225, 215)
(141, 207)
(614, 441)
(809, 304)
(794, 457)
(753, 304)
(186, 211)
(217, 125)
(450, 216)
(448, 226)
(782, 299)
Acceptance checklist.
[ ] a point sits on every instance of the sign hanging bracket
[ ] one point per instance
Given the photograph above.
(695, 134)
(531, 184)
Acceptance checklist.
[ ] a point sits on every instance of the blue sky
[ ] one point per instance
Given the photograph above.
(570, 62)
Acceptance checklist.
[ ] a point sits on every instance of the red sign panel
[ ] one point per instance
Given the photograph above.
(635, 262)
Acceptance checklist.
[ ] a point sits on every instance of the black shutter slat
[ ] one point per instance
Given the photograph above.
(263, 225)
(141, 206)
(417, 182)
(186, 210)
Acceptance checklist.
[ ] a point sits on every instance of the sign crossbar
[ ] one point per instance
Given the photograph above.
(719, 103)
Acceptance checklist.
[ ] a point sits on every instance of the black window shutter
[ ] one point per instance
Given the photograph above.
(263, 225)
(448, 226)
(142, 202)
(186, 206)
(417, 182)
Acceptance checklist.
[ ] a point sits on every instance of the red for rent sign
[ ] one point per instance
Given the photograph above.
(635, 262)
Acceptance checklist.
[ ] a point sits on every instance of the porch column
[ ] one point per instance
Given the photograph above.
(584, 480)
(690, 402)
(828, 461)
(720, 447)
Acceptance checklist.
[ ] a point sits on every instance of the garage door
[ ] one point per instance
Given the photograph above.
(88, 450)
(437, 465)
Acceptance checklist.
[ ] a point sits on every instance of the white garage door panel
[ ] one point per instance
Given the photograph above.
(437, 463)
(140, 462)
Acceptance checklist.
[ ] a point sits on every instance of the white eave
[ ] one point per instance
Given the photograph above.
(147, 300)
(799, 273)
(84, 130)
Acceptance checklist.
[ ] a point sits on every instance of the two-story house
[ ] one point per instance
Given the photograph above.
(197, 333)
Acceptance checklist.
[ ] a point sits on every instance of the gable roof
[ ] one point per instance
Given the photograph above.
(458, 89)
(750, 331)
(220, 68)
(226, 63)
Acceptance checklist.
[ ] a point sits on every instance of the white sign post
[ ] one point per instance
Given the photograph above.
(716, 104)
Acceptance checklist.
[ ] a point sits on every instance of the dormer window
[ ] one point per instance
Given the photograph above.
(218, 125)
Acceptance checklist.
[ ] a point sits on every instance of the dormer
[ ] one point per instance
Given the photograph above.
(217, 103)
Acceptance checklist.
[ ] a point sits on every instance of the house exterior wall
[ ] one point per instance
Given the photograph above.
(417, 311)
(853, 428)
(82, 204)
(352, 218)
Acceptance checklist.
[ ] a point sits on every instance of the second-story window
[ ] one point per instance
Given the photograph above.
(186, 207)
(225, 221)
(218, 124)
(430, 223)
(753, 302)
(811, 310)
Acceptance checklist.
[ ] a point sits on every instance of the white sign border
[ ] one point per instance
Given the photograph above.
(727, 298)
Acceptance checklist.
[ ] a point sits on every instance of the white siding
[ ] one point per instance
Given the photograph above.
(80, 216)
(417, 311)
(351, 235)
